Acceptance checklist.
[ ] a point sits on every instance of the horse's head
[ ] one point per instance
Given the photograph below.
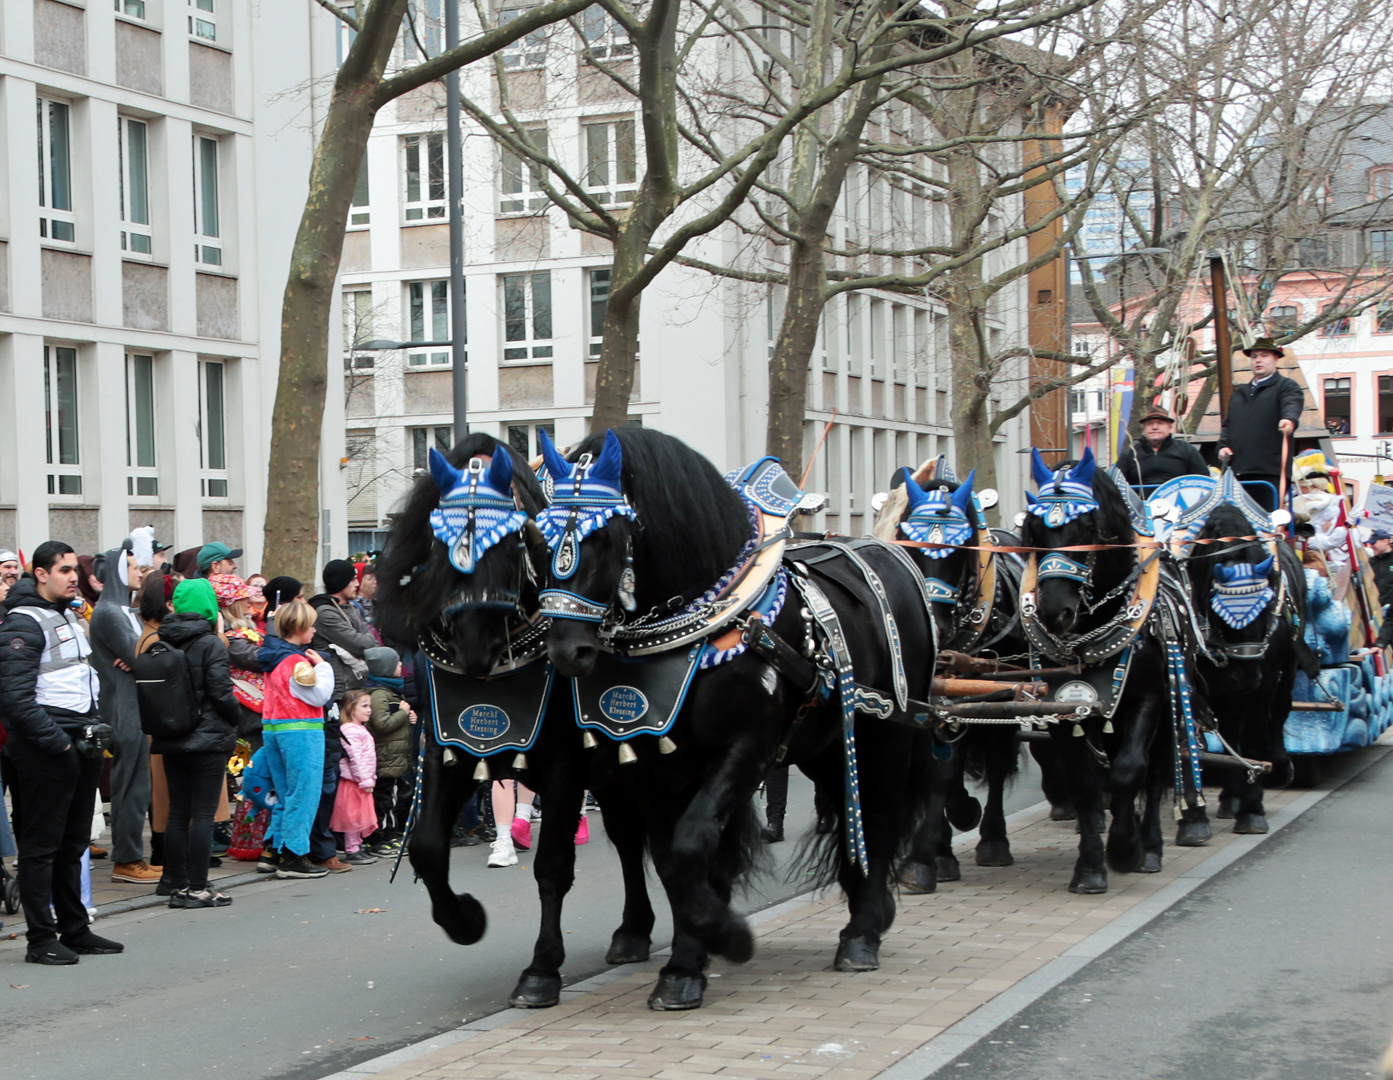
(1234, 584)
(1077, 506)
(457, 574)
(589, 526)
(940, 511)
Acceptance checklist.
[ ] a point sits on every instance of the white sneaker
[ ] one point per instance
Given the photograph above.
(503, 853)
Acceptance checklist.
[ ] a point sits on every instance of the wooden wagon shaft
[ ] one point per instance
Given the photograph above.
(973, 687)
(1316, 706)
(1221, 761)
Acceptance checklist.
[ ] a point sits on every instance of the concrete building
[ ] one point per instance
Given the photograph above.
(535, 291)
(142, 263)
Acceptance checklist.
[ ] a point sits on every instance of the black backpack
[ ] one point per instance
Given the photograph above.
(168, 705)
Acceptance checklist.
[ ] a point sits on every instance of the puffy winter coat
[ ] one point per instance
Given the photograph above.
(218, 710)
(21, 646)
(340, 624)
(359, 764)
(392, 730)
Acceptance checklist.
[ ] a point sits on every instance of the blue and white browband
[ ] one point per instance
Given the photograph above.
(1241, 592)
(1055, 565)
(1065, 493)
(579, 506)
(938, 516)
(476, 510)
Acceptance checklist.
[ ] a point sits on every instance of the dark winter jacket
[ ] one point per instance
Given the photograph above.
(1251, 428)
(115, 632)
(340, 624)
(218, 710)
(21, 646)
(1171, 459)
(1382, 566)
(391, 728)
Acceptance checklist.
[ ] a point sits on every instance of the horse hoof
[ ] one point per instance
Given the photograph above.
(1250, 824)
(1150, 863)
(1227, 809)
(536, 992)
(947, 869)
(627, 948)
(464, 925)
(918, 878)
(1193, 834)
(677, 993)
(1126, 860)
(964, 812)
(736, 943)
(1089, 882)
(1061, 812)
(994, 853)
(857, 954)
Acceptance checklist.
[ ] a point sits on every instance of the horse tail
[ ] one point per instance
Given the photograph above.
(742, 852)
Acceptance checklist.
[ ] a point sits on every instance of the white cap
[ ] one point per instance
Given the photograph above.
(8, 556)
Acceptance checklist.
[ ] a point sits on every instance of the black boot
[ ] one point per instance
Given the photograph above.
(773, 833)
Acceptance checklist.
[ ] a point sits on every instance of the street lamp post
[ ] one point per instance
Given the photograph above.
(455, 182)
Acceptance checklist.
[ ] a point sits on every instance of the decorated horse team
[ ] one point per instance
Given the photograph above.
(628, 621)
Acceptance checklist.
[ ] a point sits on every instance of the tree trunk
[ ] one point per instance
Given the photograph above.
(291, 531)
(614, 377)
(788, 367)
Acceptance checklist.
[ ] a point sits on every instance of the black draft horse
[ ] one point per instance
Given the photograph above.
(973, 595)
(469, 622)
(1077, 604)
(688, 529)
(1244, 595)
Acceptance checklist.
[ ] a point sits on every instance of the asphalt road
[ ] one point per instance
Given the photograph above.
(297, 980)
(1278, 968)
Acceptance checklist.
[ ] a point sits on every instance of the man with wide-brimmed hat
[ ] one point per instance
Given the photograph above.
(1262, 414)
(1158, 455)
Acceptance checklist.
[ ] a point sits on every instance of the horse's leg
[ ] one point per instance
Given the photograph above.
(918, 872)
(444, 790)
(633, 937)
(999, 750)
(682, 980)
(553, 867)
(1084, 792)
(1054, 779)
(1128, 774)
(1157, 783)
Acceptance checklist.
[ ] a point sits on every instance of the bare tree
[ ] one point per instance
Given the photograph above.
(362, 87)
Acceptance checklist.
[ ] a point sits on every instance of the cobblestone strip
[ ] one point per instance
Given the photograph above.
(954, 966)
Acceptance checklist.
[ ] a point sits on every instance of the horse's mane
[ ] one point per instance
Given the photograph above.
(691, 523)
(415, 578)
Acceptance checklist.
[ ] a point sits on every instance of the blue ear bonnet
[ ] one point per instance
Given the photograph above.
(1065, 494)
(1241, 592)
(584, 497)
(938, 516)
(476, 508)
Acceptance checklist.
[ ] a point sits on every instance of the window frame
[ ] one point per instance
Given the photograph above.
(437, 357)
(528, 52)
(530, 428)
(1380, 176)
(1350, 379)
(55, 220)
(213, 480)
(360, 205)
(123, 9)
(132, 229)
(203, 16)
(1341, 327)
(1277, 312)
(432, 209)
(595, 335)
(613, 192)
(610, 41)
(59, 470)
(419, 443)
(352, 313)
(1380, 253)
(534, 318)
(1380, 431)
(208, 250)
(527, 197)
(141, 474)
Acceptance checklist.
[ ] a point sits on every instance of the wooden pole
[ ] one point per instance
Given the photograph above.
(1222, 349)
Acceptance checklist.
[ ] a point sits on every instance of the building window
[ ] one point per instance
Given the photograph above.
(1381, 247)
(521, 182)
(1385, 404)
(134, 161)
(1383, 318)
(357, 329)
(207, 224)
(425, 177)
(527, 316)
(528, 51)
(358, 215)
(605, 39)
(429, 305)
(1336, 327)
(60, 416)
(1284, 316)
(1381, 181)
(525, 438)
(212, 429)
(135, 9)
(56, 221)
(140, 425)
(421, 441)
(599, 306)
(611, 161)
(1335, 405)
(203, 22)
(425, 30)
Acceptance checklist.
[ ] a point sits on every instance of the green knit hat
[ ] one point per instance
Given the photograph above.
(197, 595)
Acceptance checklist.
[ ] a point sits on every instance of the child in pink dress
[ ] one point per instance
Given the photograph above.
(354, 814)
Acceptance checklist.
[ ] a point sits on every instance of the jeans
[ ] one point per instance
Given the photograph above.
(296, 761)
(194, 793)
(58, 793)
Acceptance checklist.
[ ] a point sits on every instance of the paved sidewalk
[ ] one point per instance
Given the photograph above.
(786, 1013)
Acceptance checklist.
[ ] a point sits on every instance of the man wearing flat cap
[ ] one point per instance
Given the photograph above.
(1381, 563)
(1158, 455)
(1262, 416)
